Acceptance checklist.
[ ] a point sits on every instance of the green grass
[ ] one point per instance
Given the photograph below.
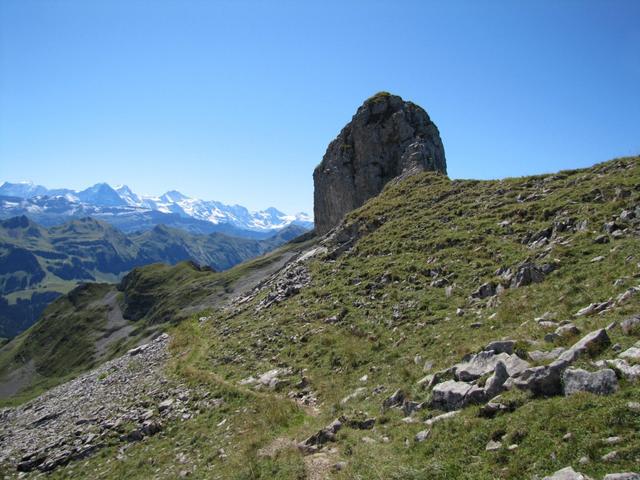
(388, 314)
(59, 258)
(154, 297)
(378, 97)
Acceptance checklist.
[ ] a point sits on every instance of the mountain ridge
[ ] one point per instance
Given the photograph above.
(47, 262)
(108, 202)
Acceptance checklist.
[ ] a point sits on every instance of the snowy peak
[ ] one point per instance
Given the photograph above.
(102, 198)
(173, 196)
(102, 195)
(22, 189)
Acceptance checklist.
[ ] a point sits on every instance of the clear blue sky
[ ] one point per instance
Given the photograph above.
(237, 100)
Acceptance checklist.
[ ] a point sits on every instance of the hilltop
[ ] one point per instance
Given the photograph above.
(339, 364)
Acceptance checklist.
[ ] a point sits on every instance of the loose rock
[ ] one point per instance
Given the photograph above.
(602, 382)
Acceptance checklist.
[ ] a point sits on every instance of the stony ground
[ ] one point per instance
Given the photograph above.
(123, 401)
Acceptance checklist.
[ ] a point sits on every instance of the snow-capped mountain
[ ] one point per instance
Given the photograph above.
(103, 201)
(101, 195)
(22, 189)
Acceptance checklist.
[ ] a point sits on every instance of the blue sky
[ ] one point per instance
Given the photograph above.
(237, 100)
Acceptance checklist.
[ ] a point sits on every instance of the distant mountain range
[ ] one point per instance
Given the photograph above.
(38, 264)
(125, 209)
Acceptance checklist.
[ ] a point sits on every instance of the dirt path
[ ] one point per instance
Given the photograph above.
(320, 465)
(317, 466)
(251, 279)
(17, 380)
(248, 282)
(116, 327)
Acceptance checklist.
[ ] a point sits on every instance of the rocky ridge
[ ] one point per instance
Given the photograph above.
(387, 137)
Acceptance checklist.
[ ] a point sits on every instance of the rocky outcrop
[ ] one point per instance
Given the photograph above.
(387, 137)
(547, 379)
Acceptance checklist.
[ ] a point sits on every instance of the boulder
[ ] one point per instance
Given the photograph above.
(495, 382)
(441, 417)
(526, 274)
(632, 353)
(592, 308)
(538, 356)
(567, 473)
(475, 395)
(315, 441)
(602, 382)
(495, 406)
(625, 296)
(387, 137)
(485, 290)
(631, 325)
(449, 395)
(422, 435)
(365, 423)
(547, 380)
(622, 476)
(271, 379)
(591, 344)
(485, 362)
(409, 407)
(492, 446)
(541, 381)
(395, 400)
(501, 346)
(630, 372)
(567, 330)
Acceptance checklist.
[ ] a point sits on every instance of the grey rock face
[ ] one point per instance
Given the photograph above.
(315, 441)
(538, 356)
(485, 290)
(501, 346)
(485, 362)
(496, 381)
(602, 382)
(591, 344)
(387, 137)
(622, 476)
(450, 395)
(527, 274)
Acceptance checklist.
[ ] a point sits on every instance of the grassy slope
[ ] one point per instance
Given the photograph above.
(60, 257)
(424, 223)
(152, 298)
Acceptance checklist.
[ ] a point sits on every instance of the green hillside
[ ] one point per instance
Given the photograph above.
(391, 297)
(95, 322)
(39, 264)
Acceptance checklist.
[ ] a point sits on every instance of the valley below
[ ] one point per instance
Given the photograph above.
(39, 264)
